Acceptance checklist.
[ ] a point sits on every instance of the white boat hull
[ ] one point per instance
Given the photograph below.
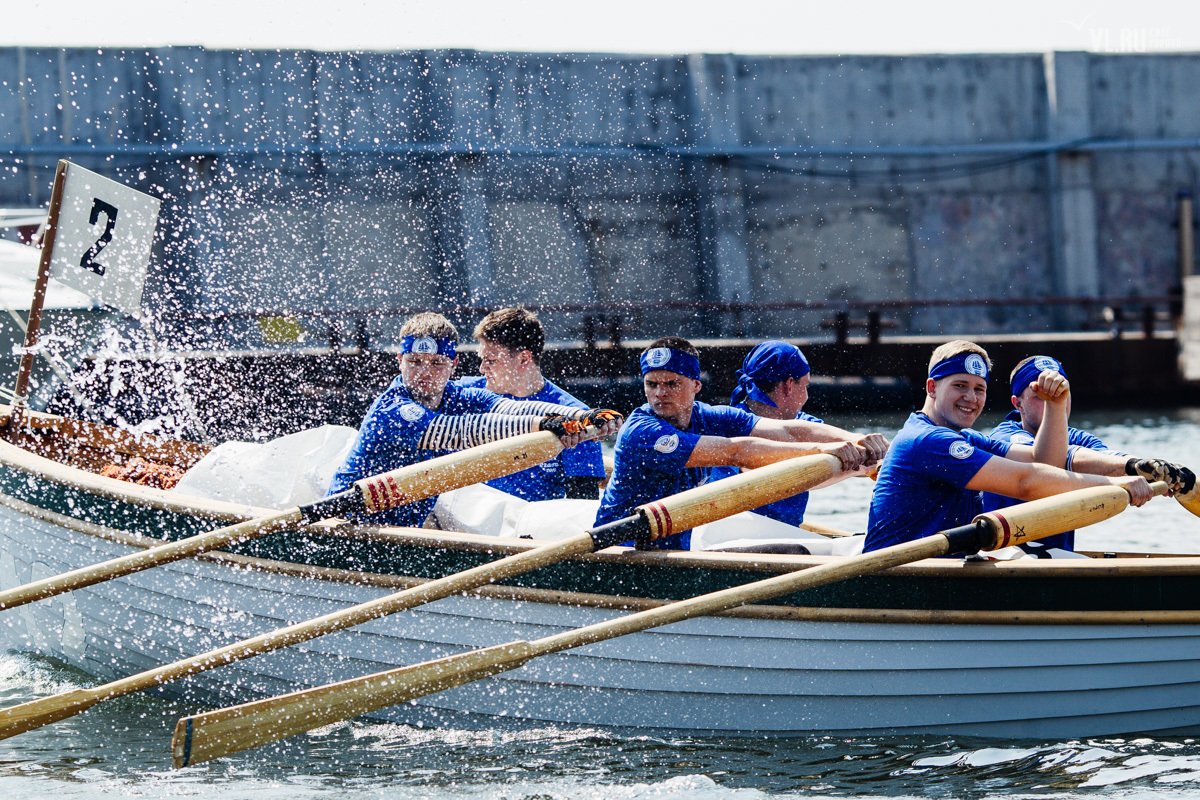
(729, 674)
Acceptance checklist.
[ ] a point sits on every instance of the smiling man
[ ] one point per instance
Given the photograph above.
(937, 467)
(511, 341)
(673, 441)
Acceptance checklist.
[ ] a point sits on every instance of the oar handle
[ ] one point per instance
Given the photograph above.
(742, 492)
(425, 479)
(1048, 516)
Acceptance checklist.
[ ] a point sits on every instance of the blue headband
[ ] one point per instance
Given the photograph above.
(970, 363)
(769, 362)
(429, 345)
(671, 360)
(1029, 371)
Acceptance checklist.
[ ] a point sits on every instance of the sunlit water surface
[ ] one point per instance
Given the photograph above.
(120, 749)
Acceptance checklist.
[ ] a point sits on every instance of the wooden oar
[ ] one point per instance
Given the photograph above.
(661, 518)
(1191, 500)
(219, 733)
(369, 495)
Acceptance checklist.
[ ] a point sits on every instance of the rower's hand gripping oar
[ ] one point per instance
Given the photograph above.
(1176, 476)
(230, 730)
(369, 495)
(660, 518)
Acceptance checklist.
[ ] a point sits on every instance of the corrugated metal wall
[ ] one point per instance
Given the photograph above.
(347, 186)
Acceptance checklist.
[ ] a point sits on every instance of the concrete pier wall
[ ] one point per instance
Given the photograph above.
(350, 187)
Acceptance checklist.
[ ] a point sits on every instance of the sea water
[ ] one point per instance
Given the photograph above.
(121, 748)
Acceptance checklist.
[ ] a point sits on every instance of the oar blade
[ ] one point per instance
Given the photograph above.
(45, 710)
(1191, 500)
(204, 737)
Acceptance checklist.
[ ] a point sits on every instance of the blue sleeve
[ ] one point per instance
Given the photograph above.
(475, 400)
(1090, 441)
(387, 440)
(1010, 431)
(649, 444)
(954, 456)
(725, 421)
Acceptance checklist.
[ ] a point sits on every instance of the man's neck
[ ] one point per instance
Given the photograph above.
(764, 410)
(682, 421)
(525, 384)
(930, 411)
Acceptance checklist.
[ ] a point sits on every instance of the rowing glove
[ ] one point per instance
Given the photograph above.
(1179, 479)
(561, 425)
(602, 418)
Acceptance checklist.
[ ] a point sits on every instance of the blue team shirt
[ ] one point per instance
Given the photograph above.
(548, 480)
(921, 488)
(388, 439)
(651, 456)
(789, 509)
(1010, 431)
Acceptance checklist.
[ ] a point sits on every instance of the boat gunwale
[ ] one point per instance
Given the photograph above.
(19, 458)
(627, 603)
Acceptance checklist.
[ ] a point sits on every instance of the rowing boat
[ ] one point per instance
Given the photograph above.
(1023, 648)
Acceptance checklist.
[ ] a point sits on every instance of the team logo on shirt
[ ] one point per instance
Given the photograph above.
(411, 412)
(425, 345)
(656, 358)
(549, 466)
(667, 444)
(975, 365)
(961, 449)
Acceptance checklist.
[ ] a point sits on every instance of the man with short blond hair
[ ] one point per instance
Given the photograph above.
(933, 475)
(511, 341)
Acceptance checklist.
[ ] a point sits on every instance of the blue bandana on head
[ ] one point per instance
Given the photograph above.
(770, 362)
(1029, 371)
(671, 360)
(429, 345)
(970, 363)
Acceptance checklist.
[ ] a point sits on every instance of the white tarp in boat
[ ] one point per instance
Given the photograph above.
(283, 473)
(482, 509)
(297, 469)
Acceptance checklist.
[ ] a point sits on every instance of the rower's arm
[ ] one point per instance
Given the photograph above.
(799, 430)
(1029, 481)
(1094, 462)
(1050, 442)
(751, 451)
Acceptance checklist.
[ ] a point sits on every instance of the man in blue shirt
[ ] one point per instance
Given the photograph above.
(673, 441)
(511, 341)
(1086, 451)
(422, 415)
(773, 383)
(932, 477)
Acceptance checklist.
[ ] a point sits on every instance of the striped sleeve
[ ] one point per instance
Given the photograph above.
(458, 432)
(535, 407)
